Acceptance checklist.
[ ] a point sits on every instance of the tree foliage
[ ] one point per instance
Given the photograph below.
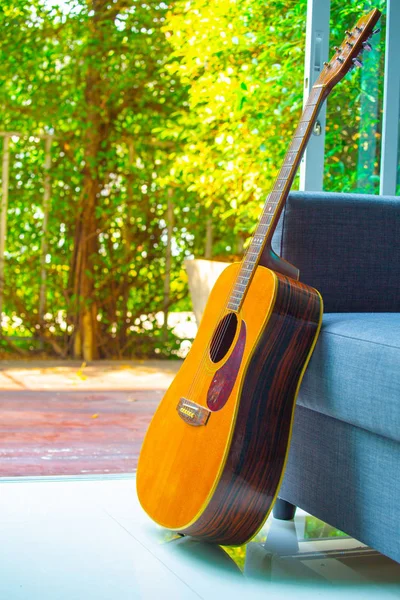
(192, 103)
(242, 62)
(93, 74)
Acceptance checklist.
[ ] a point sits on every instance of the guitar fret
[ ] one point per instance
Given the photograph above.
(290, 158)
(271, 205)
(311, 97)
(307, 114)
(296, 143)
(274, 197)
(285, 172)
(266, 215)
(279, 185)
(273, 200)
(314, 96)
(301, 129)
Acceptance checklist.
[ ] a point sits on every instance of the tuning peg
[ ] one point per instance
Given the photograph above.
(367, 46)
(337, 48)
(375, 31)
(357, 62)
(348, 33)
(359, 28)
(326, 64)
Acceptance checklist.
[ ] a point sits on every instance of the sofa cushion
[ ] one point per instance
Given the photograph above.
(354, 373)
(346, 246)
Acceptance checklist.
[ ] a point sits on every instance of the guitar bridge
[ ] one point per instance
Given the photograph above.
(192, 413)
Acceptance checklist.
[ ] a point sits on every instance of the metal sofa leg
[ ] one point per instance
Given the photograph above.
(284, 511)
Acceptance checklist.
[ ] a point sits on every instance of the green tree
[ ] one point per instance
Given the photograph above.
(192, 104)
(243, 64)
(93, 74)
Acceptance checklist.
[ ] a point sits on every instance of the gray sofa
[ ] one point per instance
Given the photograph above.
(344, 461)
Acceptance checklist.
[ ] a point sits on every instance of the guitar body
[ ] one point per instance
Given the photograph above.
(214, 455)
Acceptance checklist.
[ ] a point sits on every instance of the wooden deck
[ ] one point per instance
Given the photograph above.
(62, 419)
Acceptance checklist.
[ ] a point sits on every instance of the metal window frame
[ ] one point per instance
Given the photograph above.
(316, 52)
(391, 102)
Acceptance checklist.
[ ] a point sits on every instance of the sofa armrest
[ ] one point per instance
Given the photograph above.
(347, 246)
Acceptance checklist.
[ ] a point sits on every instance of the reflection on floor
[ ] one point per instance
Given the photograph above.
(75, 538)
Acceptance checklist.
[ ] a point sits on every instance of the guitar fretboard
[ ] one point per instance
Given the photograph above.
(276, 199)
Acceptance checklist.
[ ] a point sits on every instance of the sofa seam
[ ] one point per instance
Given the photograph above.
(350, 337)
(385, 437)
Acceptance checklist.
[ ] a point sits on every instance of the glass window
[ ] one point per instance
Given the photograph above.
(354, 110)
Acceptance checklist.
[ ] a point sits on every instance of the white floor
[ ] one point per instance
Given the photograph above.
(84, 539)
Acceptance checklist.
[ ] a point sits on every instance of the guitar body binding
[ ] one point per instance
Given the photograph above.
(218, 481)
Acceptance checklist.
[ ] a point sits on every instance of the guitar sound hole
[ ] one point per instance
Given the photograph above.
(223, 337)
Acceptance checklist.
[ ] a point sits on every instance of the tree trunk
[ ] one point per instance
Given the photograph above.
(85, 250)
(168, 259)
(86, 330)
(128, 241)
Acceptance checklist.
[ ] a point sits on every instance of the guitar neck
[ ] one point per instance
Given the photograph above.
(277, 197)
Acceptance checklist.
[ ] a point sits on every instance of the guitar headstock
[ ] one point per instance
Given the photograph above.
(348, 54)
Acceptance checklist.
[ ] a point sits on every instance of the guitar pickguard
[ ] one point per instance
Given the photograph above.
(224, 379)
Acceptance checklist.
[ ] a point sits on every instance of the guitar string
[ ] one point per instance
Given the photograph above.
(199, 380)
(269, 205)
(313, 102)
(215, 343)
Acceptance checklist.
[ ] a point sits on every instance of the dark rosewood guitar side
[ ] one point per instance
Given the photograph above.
(255, 463)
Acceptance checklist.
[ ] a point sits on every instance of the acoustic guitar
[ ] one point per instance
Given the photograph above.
(214, 455)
